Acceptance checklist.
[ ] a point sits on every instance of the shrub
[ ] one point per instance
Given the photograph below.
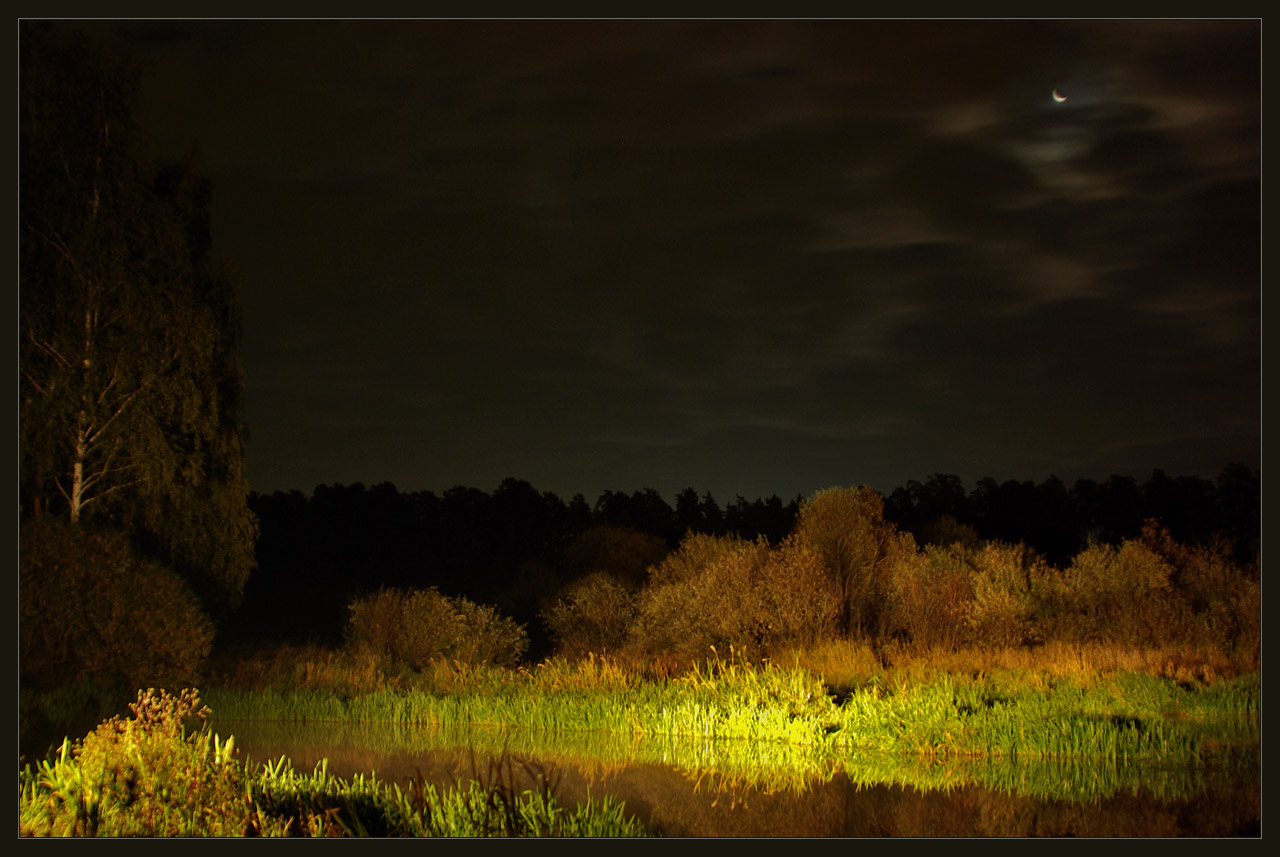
(689, 607)
(141, 776)
(799, 602)
(90, 608)
(418, 626)
(722, 591)
(931, 594)
(1002, 609)
(1108, 594)
(846, 527)
(1222, 599)
(591, 615)
(696, 552)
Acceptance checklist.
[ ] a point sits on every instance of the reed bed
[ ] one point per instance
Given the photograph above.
(912, 711)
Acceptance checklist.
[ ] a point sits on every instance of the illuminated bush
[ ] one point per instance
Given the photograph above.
(1222, 600)
(701, 598)
(89, 607)
(591, 615)
(799, 602)
(931, 594)
(419, 626)
(140, 776)
(847, 529)
(1108, 594)
(1002, 609)
(722, 591)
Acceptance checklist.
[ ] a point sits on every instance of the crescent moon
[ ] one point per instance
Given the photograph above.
(1058, 98)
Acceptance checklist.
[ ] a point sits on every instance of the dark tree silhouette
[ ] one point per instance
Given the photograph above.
(129, 387)
(1239, 494)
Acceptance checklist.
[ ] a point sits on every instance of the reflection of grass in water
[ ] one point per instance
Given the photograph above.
(1050, 779)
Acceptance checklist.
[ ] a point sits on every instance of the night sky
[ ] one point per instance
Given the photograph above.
(747, 257)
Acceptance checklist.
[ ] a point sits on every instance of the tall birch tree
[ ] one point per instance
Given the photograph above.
(129, 386)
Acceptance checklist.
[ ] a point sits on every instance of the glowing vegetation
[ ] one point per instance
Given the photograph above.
(146, 776)
(1121, 715)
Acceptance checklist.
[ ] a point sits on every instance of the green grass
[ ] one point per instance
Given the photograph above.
(1125, 716)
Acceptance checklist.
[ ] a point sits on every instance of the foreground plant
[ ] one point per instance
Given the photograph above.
(140, 776)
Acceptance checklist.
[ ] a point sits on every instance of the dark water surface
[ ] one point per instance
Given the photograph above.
(678, 798)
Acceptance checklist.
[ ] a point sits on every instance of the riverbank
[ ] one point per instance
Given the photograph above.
(1078, 725)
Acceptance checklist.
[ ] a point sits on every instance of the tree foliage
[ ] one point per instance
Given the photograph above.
(846, 527)
(91, 608)
(129, 386)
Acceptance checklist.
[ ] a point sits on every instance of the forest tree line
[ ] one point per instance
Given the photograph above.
(518, 548)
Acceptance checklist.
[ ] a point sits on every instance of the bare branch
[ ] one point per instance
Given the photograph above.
(63, 491)
(33, 382)
(115, 376)
(117, 410)
(86, 501)
(48, 349)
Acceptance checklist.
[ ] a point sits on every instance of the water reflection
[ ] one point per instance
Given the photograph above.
(702, 788)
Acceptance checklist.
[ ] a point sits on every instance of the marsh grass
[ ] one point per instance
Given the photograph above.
(1076, 704)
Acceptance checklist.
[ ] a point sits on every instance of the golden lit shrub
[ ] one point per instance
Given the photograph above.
(721, 591)
(1119, 595)
(696, 552)
(930, 597)
(418, 626)
(591, 615)
(799, 602)
(1222, 599)
(147, 776)
(715, 604)
(1001, 612)
(847, 529)
(89, 607)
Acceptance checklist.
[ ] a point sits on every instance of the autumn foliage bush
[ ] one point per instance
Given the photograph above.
(90, 608)
(847, 529)
(416, 627)
(847, 574)
(930, 598)
(593, 614)
(723, 591)
(1115, 594)
(1002, 612)
(1223, 601)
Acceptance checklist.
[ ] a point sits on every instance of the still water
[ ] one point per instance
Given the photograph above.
(728, 790)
